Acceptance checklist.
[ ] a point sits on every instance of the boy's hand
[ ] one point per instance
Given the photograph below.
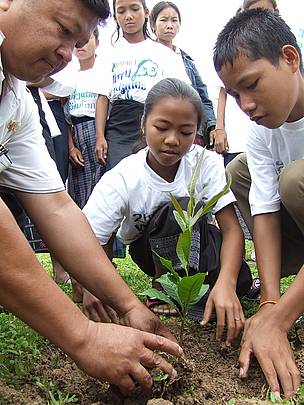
(76, 157)
(122, 356)
(228, 312)
(268, 341)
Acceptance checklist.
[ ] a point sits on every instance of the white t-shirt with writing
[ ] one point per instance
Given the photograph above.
(129, 70)
(127, 196)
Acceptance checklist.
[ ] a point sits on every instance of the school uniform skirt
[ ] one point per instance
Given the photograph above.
(82, 180)
(122, 130)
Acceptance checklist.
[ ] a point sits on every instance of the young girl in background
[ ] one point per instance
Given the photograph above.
(134, 65)
(86, 168)
(165, 21)
(128, 197)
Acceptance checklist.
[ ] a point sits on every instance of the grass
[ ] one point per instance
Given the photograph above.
(20, 346)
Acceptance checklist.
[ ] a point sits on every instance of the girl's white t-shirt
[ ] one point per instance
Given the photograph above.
(127, 196)
(129, 70)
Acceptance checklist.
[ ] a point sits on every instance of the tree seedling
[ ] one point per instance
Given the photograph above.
(183, 291)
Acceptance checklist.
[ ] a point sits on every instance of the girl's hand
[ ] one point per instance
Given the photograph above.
(76, 157)
(228, 312)
(101, 151)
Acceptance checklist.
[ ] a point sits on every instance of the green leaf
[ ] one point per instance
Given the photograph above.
(165, 262)
(190, 289)
(153, 292)
(177, 206)
(170, 284)
(211, 203)
(180, 221)
(160, 377)
(195, 174)
(183, 248)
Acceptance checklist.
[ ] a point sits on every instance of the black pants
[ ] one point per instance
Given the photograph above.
(161, 236)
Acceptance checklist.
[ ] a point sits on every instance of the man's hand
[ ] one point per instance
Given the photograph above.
(140, 317)
(122, 356)
(220, 141)
(268, 341)
(228, 311)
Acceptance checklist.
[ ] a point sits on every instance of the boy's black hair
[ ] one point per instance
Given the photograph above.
(255, 33)
(100, 7)
(145, 27)
(158, 8)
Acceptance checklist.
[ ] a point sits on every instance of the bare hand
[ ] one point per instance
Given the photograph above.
(76, 157)
(122, 355)
(140, 317)
(212, 137)
(95, 310)
(228, 311)
(101, 151)
(220, 141)
(269, 343)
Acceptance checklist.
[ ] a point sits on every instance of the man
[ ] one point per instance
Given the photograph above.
(38, 37)
(259, 61)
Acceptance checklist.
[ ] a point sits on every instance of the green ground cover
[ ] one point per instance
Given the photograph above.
(20, 346)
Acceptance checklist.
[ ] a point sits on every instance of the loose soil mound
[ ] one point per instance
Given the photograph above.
(208, 375)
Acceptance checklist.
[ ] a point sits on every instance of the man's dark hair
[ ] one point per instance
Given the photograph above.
(100, 7)
(255, 33)
(249, 3)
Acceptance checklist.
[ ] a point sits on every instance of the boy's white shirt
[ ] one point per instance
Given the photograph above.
(268, 152)
(127, 196)
(129, 71)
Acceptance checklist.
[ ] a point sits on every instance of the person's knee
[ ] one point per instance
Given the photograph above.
(237, 169)
(291, 186)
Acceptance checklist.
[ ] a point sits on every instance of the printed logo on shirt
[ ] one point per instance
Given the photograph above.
(140, 221)
(279, 166)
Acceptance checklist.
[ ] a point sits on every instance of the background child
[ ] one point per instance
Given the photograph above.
(165, 22)
(264, 72)
(131, 194)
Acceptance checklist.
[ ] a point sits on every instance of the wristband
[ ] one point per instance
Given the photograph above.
(267, 302)
(219, 129)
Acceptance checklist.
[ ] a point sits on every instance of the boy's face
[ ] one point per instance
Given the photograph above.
(40, 35)
(268, 94)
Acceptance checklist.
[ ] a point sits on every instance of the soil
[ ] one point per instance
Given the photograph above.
(208, 375)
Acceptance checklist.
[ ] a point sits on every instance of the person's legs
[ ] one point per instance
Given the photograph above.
(240, 186)
(292, 217)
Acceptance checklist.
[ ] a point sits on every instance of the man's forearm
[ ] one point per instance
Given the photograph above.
(267, 243)
(69, 236)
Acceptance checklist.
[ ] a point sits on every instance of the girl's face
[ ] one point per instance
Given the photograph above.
(262, 4)
(88, 50)
(167, 25)
(130, 16)
(170, 129)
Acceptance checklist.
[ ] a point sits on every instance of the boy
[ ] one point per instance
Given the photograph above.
(37, 38)
(258, 59)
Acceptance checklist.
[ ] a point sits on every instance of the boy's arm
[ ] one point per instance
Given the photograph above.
(269, 341)
(108, 352)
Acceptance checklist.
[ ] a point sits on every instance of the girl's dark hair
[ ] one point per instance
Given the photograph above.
(249, 3)
(100, 7)
(158, 8)
(145, 26)
(255, 33)
(174, 88)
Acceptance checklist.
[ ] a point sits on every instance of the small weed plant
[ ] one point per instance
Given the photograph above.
(19, 348)
(53, 395)
(183, 291)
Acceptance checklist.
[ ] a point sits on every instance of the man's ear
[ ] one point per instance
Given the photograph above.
(5, 5)
(291, 56)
